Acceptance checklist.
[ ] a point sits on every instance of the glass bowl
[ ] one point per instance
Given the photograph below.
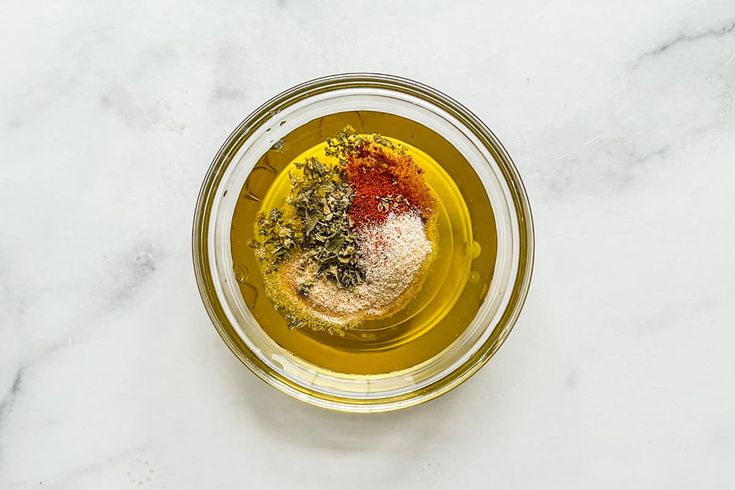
(220, 283)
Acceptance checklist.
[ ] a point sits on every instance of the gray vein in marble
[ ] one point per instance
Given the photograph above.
(6, 406)
(578, 149)
(686, 38)
(620, 161)
(228, 94)
(43, 88)
(9, 399)
(633, 160)
(137, 270)
(127, 106)
(126, 279)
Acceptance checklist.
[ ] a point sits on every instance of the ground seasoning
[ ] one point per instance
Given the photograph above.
(384, 182)
(351, 240)
(392, 253)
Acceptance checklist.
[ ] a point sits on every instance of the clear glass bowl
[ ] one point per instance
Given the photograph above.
(218, 284)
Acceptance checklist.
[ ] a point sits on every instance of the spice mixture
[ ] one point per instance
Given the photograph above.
(354, 237)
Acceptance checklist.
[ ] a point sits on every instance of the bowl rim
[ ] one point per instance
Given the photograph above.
(241, 134)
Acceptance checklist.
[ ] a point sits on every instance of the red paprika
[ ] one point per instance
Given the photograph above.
(385, 182)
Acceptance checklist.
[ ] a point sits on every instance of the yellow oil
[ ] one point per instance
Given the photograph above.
(453, 287)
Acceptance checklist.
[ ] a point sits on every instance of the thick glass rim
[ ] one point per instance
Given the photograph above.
(471, 123)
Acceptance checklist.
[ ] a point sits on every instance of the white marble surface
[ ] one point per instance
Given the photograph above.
(620, 372)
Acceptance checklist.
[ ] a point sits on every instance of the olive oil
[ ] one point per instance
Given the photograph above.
(454, 285)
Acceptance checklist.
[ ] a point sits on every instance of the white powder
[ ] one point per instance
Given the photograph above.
(391, 253)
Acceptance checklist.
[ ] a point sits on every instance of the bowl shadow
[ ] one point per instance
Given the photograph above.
(311, 427)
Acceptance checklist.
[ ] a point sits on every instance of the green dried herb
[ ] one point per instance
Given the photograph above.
(318, 225)
(278, 237)
(304, 288)
(346, 143)
(387, 203)
(381, 140)
(294, 322)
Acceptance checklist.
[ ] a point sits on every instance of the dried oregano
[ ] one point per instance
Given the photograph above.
(315, 222)
(347, 142)
(277, 238)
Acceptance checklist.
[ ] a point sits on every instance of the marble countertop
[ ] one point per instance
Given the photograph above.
(619, 373)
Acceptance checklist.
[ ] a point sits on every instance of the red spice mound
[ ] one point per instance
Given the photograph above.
(386, 182)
